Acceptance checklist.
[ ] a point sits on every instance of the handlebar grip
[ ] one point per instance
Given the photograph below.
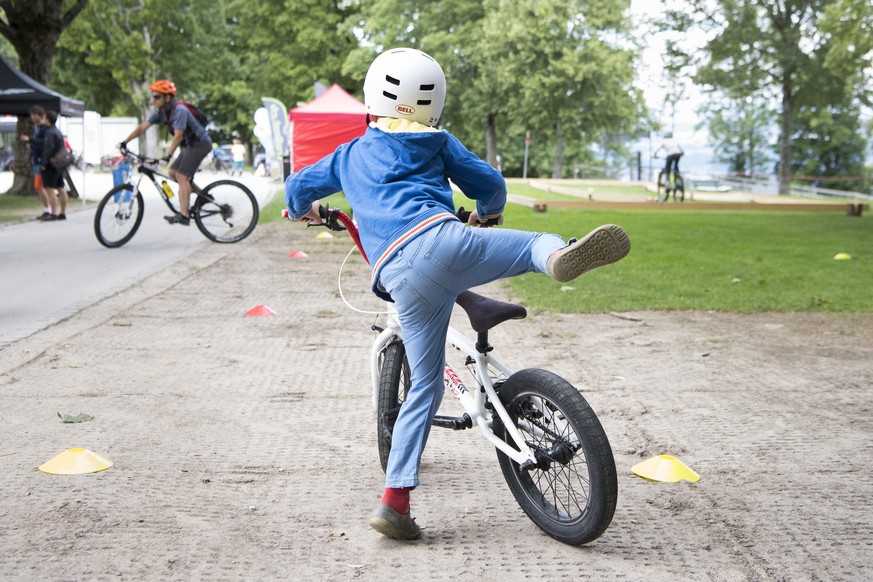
(464, 216)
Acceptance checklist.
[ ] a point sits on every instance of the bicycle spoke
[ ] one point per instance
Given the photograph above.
(226, 211)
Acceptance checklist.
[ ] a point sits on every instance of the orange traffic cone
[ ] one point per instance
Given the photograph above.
(260, 311)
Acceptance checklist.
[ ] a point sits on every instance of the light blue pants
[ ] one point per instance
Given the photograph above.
(424, 278)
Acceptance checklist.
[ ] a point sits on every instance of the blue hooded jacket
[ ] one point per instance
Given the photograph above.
(396, 179)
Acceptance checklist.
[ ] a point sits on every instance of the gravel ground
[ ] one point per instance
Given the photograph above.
(244, 446)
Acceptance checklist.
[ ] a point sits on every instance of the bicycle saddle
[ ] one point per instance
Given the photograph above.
(485, 313)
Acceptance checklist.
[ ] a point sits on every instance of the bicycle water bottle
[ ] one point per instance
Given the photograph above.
(167, 190)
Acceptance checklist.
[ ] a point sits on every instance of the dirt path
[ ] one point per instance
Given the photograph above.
(244, 446)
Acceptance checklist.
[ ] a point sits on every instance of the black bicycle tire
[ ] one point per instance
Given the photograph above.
(596, 460)
(98, 229)
(393, 372)
(679, 191)
(663, 192)
(204, 200)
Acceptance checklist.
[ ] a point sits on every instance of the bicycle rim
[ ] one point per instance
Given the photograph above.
(118, 216)
(679, 193)
(571, 493)
(663, 192)
(226, 212)
(394, 384)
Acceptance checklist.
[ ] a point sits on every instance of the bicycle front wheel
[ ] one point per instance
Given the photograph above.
(679, 192)
(663, 187)
(572, 490)
(226, 211)
(118, 216)
(394, 384)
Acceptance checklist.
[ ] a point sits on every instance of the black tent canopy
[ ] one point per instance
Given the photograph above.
(18, 93)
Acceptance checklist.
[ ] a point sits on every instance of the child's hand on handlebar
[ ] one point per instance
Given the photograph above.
(313, 216)
(485, 222)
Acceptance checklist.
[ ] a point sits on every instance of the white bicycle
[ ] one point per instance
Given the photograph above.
(551, 447)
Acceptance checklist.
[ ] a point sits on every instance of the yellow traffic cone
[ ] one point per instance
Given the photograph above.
(664, 468)
(75, 462)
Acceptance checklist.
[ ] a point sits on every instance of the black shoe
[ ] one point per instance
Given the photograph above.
(62, 216)
(43, 215)
(399, 526)
(178, 219)
(48, 218)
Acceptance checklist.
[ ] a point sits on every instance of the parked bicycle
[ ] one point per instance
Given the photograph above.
(671, 183)
(225, 211)
(552, 449)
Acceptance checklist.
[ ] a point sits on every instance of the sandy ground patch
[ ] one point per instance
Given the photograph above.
(244, 446)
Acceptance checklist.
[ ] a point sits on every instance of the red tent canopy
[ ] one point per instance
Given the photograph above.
(324, 123)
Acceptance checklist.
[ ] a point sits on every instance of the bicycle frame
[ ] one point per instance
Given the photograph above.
(473, 401)
(153, 174)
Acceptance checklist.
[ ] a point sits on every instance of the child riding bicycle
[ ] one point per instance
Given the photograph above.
(396, 179)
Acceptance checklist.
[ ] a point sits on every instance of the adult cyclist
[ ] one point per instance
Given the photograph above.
(673, 153)
(189, 136)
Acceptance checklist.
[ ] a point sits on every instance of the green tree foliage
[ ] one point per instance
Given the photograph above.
(562, 68)
(122, 46)
(806, 53)
(223, 55)
(286, 46)
(739, 131)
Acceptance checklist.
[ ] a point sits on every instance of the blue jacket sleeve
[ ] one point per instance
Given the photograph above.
(475, 177)
(310, 184)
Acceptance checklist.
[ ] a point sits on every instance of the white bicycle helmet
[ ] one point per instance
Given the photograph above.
(405, 83)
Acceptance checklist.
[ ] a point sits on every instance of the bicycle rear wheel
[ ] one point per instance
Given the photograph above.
(226, 211)
(572, 491)
(118, 216)
(663, 187)
(394, 384)
(679, 192)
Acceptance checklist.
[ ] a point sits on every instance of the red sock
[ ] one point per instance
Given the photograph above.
(397, 499)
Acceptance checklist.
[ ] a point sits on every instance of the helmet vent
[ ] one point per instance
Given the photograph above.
(389, 95)
(423, 102)
(392, 80)
(427, 87)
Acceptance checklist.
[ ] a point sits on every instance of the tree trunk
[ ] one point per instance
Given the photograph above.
(33, 29)
(785, 135)
(558, 166)
(491, 141)
(22, 181)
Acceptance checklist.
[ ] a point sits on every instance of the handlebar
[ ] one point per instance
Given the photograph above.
(129, 154)
(337, 220)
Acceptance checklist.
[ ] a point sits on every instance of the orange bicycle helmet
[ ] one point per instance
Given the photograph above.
(163, 86)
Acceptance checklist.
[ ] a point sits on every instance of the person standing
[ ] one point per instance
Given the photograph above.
(189, 137)
(37, 115)
(52, 178)
(238, 151)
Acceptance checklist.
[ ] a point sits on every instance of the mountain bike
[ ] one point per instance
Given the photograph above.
(551, 448)
(225, 211)
(674, 182)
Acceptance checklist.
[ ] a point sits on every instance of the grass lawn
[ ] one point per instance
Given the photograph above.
(724, 261)
(19, 208)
